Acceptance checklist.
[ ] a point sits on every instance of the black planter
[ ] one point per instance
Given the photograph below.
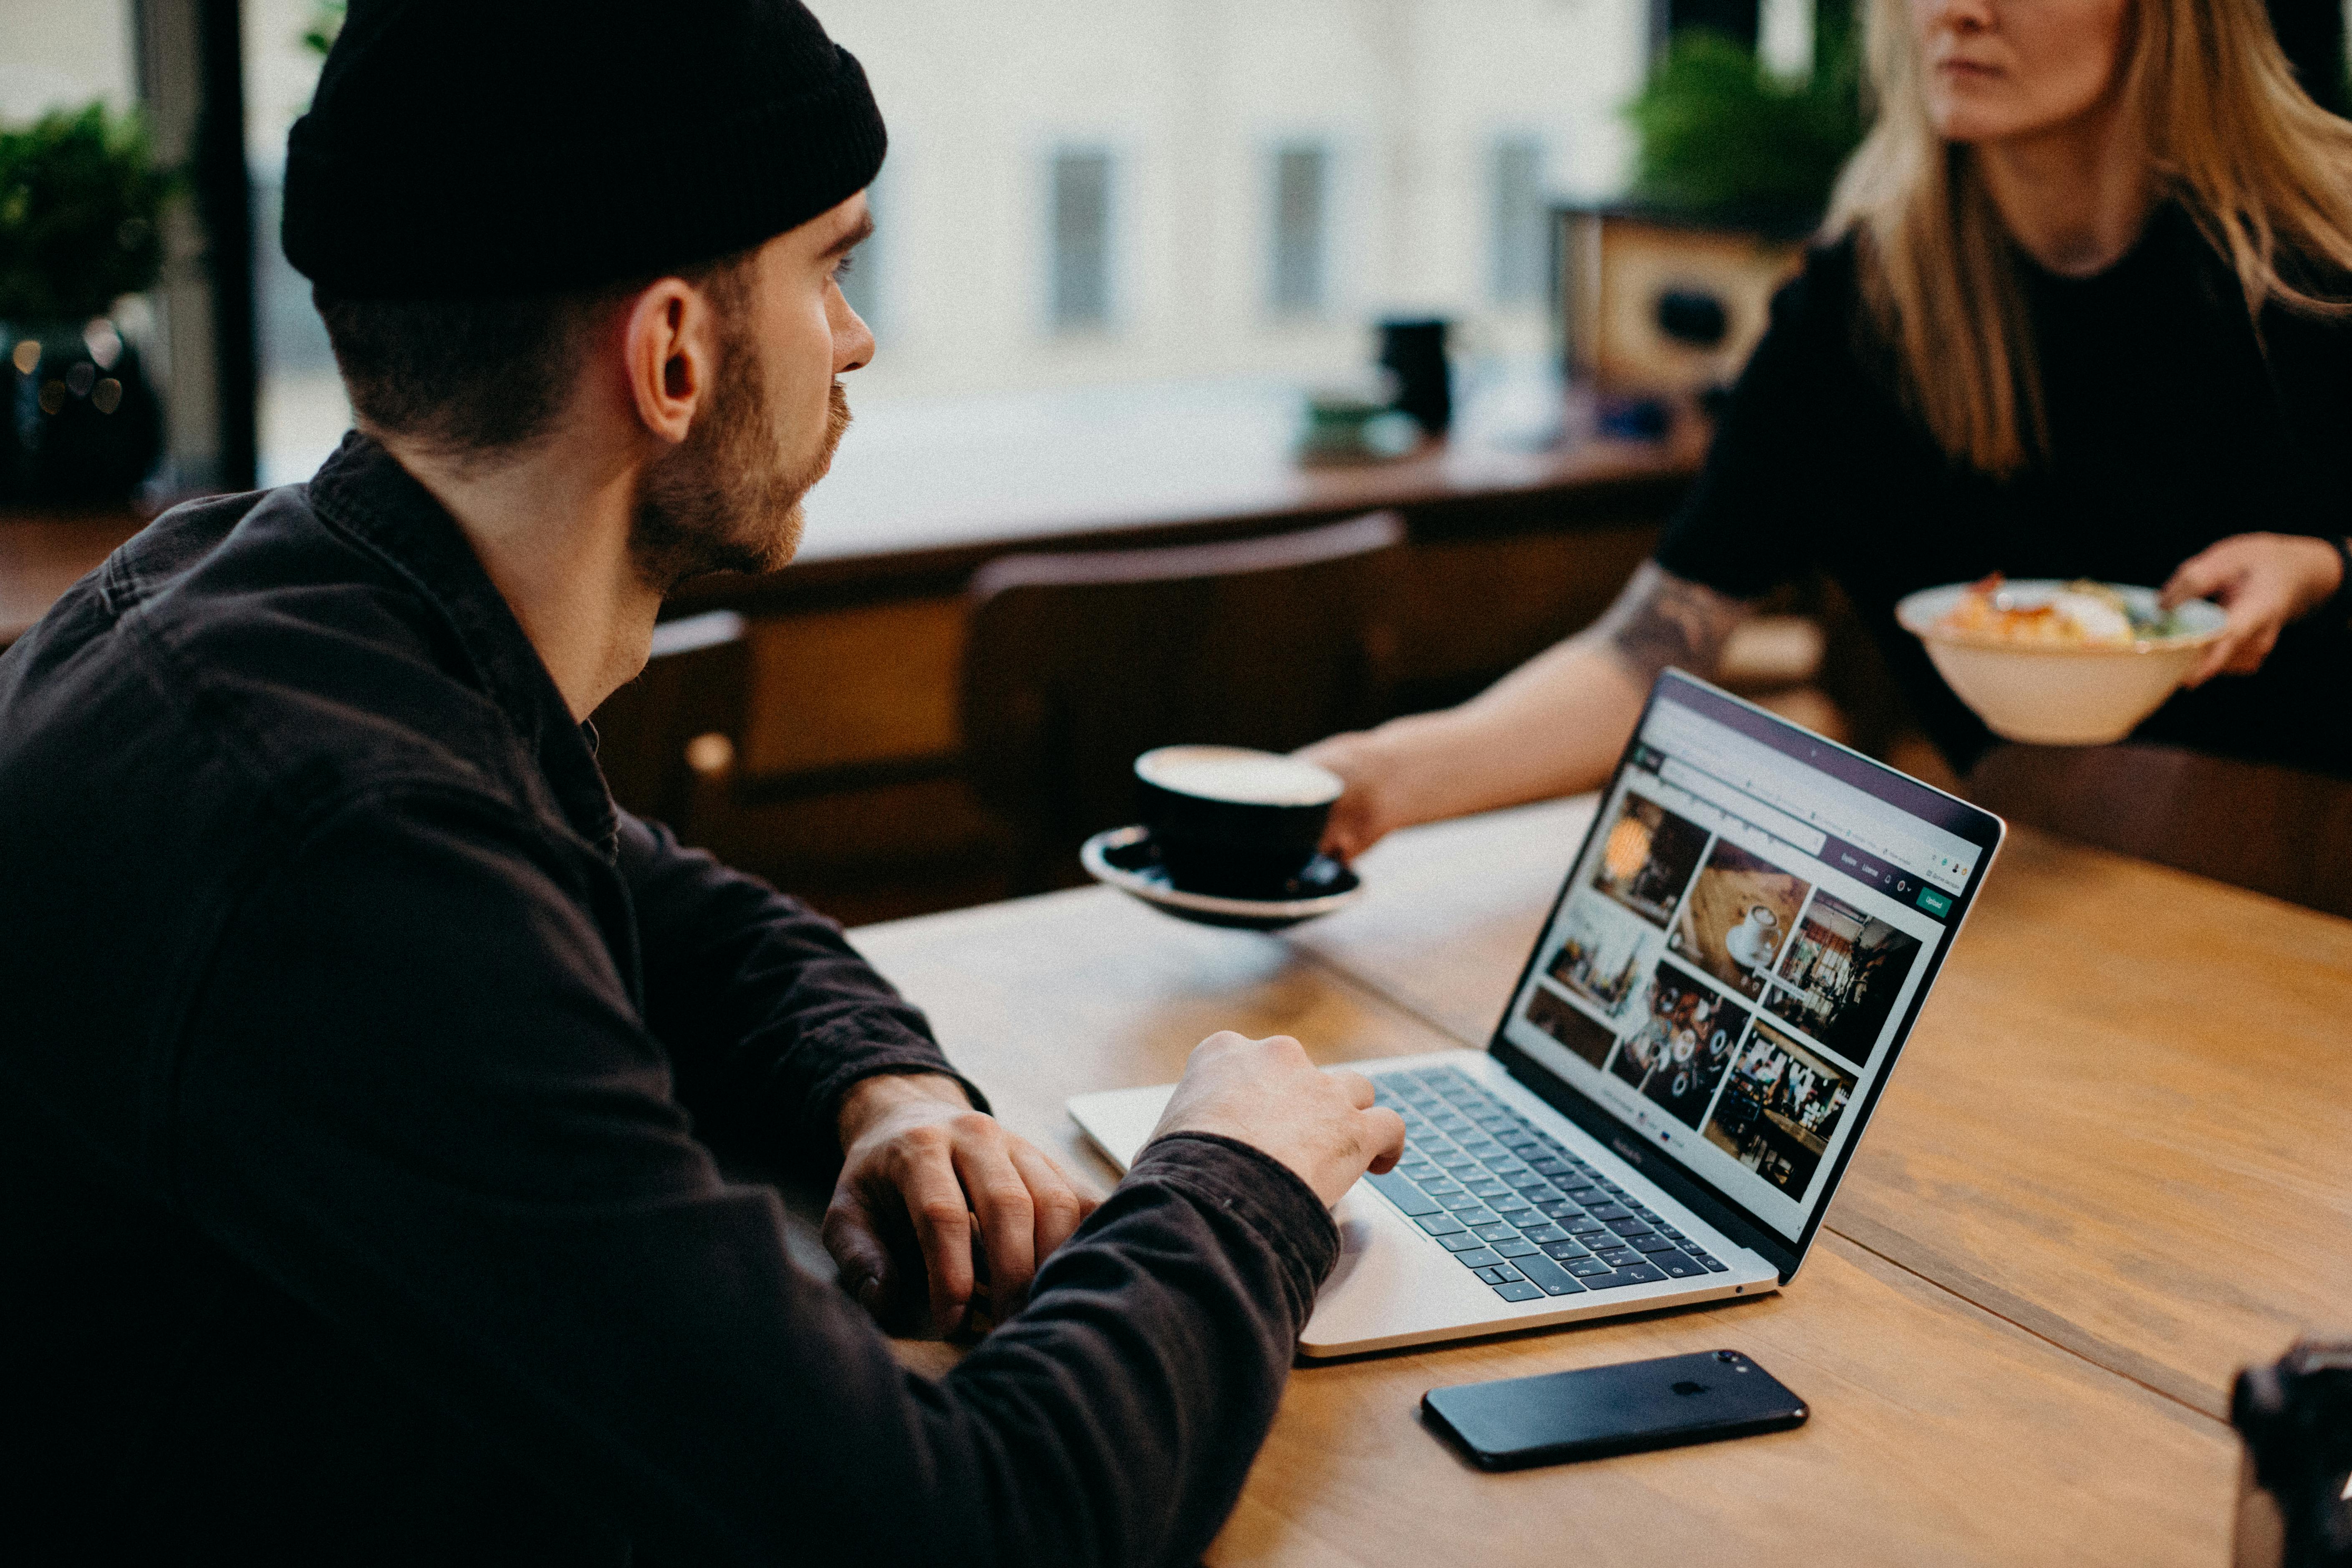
(83, 428)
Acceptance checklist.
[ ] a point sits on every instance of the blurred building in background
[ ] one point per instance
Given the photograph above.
(1082, 194)
(1175, 194)
(1184, 189)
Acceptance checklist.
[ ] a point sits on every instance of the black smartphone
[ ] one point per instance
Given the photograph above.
(1620, 1409)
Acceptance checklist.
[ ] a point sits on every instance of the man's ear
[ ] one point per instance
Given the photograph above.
(668, 350)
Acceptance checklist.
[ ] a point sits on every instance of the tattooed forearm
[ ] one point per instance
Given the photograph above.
(1662, 619)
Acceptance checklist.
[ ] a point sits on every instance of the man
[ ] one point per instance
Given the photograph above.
(351, 1207)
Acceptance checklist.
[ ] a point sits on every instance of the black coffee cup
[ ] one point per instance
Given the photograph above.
(1415, 350)
(1231, 822)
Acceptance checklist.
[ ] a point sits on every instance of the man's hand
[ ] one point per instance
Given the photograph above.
(1266, 1094)
(2264, 581)
(922, 1172)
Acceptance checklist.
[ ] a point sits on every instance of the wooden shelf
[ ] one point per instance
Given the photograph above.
(920, 497)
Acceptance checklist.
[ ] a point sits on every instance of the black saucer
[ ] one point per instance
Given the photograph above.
(1125, 858)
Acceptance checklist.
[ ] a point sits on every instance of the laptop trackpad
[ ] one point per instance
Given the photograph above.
(1359, 1225)
(1118, 1120)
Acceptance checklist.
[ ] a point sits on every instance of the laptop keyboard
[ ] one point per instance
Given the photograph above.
(1512, 1204)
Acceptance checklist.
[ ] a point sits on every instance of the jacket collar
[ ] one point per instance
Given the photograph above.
(362, 491)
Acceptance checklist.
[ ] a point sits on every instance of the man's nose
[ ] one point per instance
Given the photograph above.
(852, 342)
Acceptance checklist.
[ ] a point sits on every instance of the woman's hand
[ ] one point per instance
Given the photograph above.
(2264, 581)
(1368, 812)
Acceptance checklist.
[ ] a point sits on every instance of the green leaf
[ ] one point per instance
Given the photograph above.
(80, 214)
(1718, 135)
(326, 21)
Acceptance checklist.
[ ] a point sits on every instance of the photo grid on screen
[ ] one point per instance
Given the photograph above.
(1840, 975)
(1666, 1030)
(1739, 911)
(1678, 1054)
(1732, 993)
(1780, 1108)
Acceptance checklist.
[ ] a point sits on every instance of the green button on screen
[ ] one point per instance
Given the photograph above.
(1934, 902)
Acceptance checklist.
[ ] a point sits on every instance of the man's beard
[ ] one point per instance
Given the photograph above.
(725, 502)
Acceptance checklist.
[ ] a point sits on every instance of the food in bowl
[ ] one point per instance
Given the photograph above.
(2044, 661)
(2083, 614)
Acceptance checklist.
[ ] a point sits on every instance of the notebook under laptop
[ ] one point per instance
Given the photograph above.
(1689, 1057)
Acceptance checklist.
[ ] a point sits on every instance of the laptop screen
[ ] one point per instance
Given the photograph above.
(1741, 947)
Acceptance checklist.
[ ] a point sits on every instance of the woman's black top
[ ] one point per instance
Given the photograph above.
(2172, 425)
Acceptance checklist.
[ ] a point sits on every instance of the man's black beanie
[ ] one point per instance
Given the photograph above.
(482, 148)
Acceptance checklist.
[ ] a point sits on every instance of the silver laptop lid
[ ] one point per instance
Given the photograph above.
(1737, 955)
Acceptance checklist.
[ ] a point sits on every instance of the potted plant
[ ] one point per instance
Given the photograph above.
(1724, 141)
(1670, 288)
(80, 209)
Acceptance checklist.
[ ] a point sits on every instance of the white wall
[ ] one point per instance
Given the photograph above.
(1193, 96)
(60, 54)
(279, 73)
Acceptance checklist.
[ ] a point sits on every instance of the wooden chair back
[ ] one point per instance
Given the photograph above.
(2275, 830)
(1076, 663)
(667, 740)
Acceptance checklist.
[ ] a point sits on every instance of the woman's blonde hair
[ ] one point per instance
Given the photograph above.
(2263, 172)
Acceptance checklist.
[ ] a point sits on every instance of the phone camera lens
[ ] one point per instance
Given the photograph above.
(1726, 1356)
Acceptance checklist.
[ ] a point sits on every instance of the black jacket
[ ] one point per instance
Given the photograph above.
(349, 1199)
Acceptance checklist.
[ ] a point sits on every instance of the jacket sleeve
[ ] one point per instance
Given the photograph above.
(767, 1012)
(415, 1098)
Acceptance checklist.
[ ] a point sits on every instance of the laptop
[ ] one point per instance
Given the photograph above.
(1688, 1059)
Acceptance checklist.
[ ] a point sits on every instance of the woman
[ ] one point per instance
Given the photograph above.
(2079, 310)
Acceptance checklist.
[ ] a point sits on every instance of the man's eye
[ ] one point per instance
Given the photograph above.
(841, 267)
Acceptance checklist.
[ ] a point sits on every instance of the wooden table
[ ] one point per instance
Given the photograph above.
(42, 554)
(2115, 1123)
(2103, 1176)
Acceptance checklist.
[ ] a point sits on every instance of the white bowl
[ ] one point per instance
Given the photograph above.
(2087, 696)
